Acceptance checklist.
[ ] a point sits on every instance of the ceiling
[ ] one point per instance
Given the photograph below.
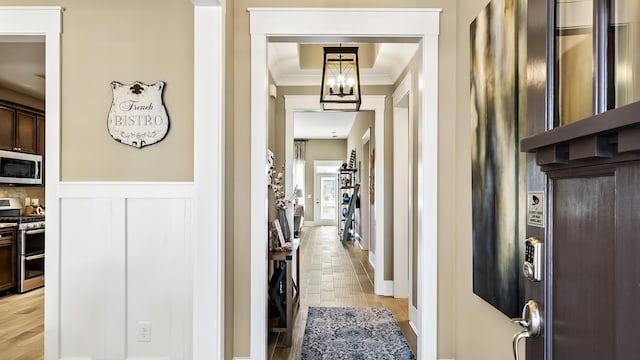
(22, 64)
(300, 64)
(322, 125)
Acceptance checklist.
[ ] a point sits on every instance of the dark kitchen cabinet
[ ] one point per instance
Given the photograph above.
(26, 130)
(40, 135)
(7, 259)
(21, 129)
(7, 123)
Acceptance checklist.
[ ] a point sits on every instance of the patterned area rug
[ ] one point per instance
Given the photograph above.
(353, 333)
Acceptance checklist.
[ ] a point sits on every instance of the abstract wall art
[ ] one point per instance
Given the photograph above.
(495, 156)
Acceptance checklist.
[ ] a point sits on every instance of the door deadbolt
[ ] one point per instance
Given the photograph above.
(533, 259)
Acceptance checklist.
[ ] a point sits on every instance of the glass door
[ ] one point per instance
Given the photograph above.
(326, 199)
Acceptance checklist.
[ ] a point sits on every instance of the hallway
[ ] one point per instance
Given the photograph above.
(333, 275)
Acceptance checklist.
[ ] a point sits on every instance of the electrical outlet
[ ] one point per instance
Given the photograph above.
(144, 331)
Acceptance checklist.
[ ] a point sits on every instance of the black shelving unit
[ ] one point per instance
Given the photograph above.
(348, 196)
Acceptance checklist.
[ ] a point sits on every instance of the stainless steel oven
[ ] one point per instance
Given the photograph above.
(30, 253)
(30, 244)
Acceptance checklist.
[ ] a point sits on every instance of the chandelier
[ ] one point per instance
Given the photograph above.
(340, 79)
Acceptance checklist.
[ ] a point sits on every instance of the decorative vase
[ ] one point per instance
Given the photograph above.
(284, 223)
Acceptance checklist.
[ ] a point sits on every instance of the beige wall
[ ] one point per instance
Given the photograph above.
(364, 120)
(481, 331)
(388, 181)
(103, 41)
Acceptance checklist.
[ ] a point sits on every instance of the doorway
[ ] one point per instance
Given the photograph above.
(375, 103)
(404, 237)
(47, 22)
(393, 25)
(325, 192)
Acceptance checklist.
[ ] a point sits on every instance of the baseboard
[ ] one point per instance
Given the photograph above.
(359, 242)
(386, 288)
(415, 331)
(307, 223)
(413, 314)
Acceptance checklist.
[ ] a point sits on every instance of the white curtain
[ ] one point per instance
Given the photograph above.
(299, 169)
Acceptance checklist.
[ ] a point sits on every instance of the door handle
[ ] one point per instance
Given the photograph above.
(531, 321)
(34, 257)
(516, 340)
(34, 232)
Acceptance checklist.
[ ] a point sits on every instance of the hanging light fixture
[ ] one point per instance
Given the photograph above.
(340, 79)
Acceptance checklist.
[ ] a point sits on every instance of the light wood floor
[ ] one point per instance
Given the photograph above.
(333, 275)
(22, 326)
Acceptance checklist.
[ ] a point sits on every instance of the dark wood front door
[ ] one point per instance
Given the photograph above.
(591, 290)
(596, 229)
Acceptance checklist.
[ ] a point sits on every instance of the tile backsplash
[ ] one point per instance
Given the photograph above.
(34, 192)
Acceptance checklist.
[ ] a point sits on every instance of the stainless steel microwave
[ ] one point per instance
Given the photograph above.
(20, 168)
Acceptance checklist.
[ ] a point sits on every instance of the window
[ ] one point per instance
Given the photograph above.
(596, 54)
(624, 52)
(574, 61)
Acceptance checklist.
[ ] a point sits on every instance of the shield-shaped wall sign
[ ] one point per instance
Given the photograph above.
(137, 116)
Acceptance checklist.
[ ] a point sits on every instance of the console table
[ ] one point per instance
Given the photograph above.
(283, 264)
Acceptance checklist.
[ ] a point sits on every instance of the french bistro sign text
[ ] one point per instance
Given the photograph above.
(137, 116)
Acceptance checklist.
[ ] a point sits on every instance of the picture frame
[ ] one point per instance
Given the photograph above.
(497, 190)
(276, 224)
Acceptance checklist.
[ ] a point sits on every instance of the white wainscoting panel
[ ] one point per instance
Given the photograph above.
(87, 263)
(123, 261)
(157, 246)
